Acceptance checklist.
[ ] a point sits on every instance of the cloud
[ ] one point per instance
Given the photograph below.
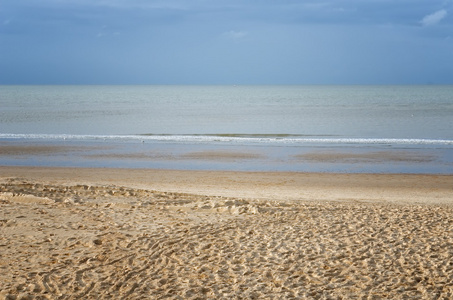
(434, 18)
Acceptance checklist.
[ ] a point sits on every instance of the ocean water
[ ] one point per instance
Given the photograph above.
(376, 129)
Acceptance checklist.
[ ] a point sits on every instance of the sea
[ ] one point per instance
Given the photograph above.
(319, 128)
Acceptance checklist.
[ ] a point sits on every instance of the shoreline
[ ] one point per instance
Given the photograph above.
(356, 187)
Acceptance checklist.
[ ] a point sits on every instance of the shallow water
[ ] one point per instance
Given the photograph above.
(226, 156)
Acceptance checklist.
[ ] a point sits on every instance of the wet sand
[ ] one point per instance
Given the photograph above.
(151, 234)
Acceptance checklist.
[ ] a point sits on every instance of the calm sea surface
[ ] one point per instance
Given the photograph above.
(296, 128)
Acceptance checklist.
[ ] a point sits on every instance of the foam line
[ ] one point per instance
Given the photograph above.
(227, 139)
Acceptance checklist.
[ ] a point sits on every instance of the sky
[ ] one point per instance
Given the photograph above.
(226, 42)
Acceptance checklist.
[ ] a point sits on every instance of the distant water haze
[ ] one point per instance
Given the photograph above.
(401, 112)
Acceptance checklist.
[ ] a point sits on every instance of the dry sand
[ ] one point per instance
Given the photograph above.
(154, 234)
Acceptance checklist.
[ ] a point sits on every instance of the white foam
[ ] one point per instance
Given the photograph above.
(227, 139)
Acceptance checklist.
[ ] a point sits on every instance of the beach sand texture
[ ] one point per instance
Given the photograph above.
(67, 235)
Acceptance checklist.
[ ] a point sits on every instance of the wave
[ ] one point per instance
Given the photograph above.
(230, 138)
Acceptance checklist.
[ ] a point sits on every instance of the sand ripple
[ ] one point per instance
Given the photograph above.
(99, 242)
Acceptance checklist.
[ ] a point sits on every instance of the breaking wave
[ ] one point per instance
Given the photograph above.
(229, 138)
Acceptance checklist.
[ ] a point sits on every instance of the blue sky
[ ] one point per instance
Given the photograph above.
(226, 42)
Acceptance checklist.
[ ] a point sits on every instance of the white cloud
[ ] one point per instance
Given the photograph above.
(434, 18)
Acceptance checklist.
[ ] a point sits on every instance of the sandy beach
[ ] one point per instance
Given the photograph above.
(79, 233)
